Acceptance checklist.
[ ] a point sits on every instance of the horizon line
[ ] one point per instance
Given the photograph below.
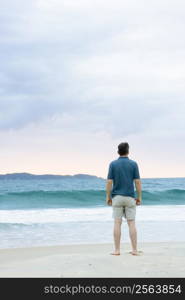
(79, 174)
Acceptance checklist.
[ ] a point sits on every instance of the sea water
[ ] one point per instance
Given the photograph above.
(35, 212)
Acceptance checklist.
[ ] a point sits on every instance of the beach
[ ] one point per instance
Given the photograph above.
(94, 260)
(63, 228)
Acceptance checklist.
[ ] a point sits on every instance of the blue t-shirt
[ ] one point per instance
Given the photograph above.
(123, 171)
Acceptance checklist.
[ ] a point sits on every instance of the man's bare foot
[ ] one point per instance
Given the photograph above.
(134, 252)
(115, 253)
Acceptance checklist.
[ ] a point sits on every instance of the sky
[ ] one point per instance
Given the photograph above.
(79, 77)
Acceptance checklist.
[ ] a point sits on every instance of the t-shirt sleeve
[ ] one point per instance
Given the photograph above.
(110, 172)
(136, 172)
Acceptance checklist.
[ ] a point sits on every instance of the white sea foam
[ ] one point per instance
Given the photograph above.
(99, 214)
(20, 228)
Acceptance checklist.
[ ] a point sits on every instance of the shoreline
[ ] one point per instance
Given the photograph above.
(159, 259)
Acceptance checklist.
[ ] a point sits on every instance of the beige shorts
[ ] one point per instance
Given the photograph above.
(124, 206)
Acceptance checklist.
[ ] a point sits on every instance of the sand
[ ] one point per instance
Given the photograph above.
(157, 260)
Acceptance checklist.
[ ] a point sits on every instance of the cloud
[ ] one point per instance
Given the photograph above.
(115, 66)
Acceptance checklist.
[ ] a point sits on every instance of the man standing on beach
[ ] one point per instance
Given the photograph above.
(123, 173)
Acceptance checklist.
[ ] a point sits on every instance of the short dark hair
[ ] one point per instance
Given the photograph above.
(123, 148)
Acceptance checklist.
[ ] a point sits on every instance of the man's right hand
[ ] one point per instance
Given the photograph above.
(138, 201)
(138, 189)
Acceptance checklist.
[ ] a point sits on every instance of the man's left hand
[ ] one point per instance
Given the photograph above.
(109, 200)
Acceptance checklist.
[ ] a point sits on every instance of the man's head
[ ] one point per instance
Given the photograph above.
(123, 148)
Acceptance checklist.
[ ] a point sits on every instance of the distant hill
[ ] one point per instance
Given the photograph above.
(46, 176)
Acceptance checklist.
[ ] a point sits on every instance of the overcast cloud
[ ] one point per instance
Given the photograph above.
(116, 67)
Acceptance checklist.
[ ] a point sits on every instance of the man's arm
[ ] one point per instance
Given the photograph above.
(108, 191)
(138, 189)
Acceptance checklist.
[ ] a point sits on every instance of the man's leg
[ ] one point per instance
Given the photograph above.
(133, 236)
(117, 235)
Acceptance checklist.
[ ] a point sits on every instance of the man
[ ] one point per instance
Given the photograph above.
(123, 173)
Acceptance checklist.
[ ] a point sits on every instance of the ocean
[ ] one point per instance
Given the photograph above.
(40, 212)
